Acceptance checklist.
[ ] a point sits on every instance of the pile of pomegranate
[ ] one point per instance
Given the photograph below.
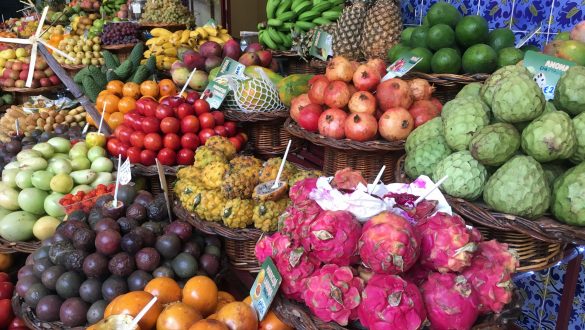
(351, 101)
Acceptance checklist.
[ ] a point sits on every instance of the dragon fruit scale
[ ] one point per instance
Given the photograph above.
(333, 294)
(333, 237)
(490, 274)
(298, 218)
(451, 302)
(447, 245)
(389, 244)
(300, 191)
(270, 246)
(389, 302)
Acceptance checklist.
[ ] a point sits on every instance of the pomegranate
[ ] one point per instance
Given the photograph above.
(297, 104)
(317, 90)
(394, 93)
(362, 102)
(437, 103)
(339, 68)
(309, 117)
(352, 89)
(423, 111)
(395, 124)
(421, 89)
(377, 64)
(361, 127)
(331, 123)
(366, 78)
(337, 94)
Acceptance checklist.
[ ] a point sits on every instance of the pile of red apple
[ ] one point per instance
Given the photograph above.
(16, 72)
(351, 101)
(170, 131)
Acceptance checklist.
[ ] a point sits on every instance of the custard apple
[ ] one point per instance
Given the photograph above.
(494, 144)
(568, 198)
(466, 175)
(569, 94)
(579, 125)
(424, 159)
(470, 90)
(519, 187)
(550, 137)
(517, 98)
(464, 117)
(427, 131)
(552, 171)
(488, 88)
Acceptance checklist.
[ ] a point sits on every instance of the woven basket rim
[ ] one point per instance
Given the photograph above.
(30, 319)
(255, 116)
(344, 144)
(119, 47)
(545, 228)
(38, 90)
(152, 170)
(24, 247)
(72, 67)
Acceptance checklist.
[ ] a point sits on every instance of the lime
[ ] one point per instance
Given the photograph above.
(526, 48)
(405, 35)
(501, 38)
(440, 36)
(480, 58)
(563, 36)
(446, 60)
(509, 56)
(443, 13)
(471, 30)
(395, 51)
(418, 38)
(425, 21)
(425, 64)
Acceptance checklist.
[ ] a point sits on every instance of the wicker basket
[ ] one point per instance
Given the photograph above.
(72, 70)
(27, 314)
(447, 85)
(293, 63)
(150, 173)
(536, 250)
(24, 247)
(367, 157)
(22, 94)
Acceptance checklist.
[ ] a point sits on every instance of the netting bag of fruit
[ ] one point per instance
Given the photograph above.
(252, 94)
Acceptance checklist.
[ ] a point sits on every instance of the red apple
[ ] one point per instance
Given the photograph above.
(207, 120)
(231, 128)
(201, 106)
(219, 117)
(185, 157)
(236, 142)
(133, 154)
(220, 130)
(192, 97)
(163, 111)
(205, 134)
(55, 80)
(153, 141)
(137, 139)
(190, 141)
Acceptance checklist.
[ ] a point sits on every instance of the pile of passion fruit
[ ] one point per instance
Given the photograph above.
(111, 250)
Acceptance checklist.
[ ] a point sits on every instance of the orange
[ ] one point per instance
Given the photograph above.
(272, 322)
(132, 90)
(104, 92)
(208, 325)
(115, 119)
(177, 316)
(223, 298)
(167, 87)
(238, 315)
(126, 104)
(90, 120)
(115, 86)
(166, 289)
(109, 102)
(131, 304)
(248, 300)
(149, 88)
(201, 292)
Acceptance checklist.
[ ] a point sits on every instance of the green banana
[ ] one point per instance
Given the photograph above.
(287, 41)
(302, 7)
(296, 3)
(337, 2)
(287, 16)
(284, 6)
(268, 42)
(304, 26)
(323, 6)
(331, 15)
(274, 35)
(274, 22)
(321, 21)
(309, 15)
(271, 6)
(286, 27)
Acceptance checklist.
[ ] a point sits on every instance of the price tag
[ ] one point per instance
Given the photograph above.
(125, 173)
(322, 45)
(136, 8)
(165, 188)
(217, 89)
(528, 36)
(265, 288)
(401, 66)
(547, 70)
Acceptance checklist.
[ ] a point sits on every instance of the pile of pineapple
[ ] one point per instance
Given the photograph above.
(220, 186)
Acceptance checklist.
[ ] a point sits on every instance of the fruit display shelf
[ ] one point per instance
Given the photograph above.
(539, 243)
(367, 157)
(170, 27)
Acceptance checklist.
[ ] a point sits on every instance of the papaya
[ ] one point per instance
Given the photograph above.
(293, 86)
(251, 72)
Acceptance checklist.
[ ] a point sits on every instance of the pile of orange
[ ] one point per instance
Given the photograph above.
(198, 306)
(120, 98)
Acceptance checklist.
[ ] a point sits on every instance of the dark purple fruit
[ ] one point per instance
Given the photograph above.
(40, 253)
(106, 223)
(126, 194)
(77, 215)
(40, 266)
(210, 264)
(184, 265)
(102, 200)
(213, 240)
(121, 264)
(192, 248)
(112, 210)
(26, 270)
(114, 286)
(51, 275)
(68, 284)
(74, 260)
(90, 290)
(29, 260)
(48, 308)
(95, 313)
(25, 283)
(59, 237)
(94, 217)
(68, 228)
(155, 227)
(213, 250)
(168, 245)
(59, 251)
(137, 212)
(35, 293)
(147, 259)
(143, 198)
(127, 224)
(95, 265)
(73, 312)
(107, 242)
(131, 243)
(138, 280)
(163, 271)
(84, 239)
(148, 237)
(180, 228)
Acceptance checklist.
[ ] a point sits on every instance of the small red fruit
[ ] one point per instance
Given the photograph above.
(133, 154)
(190, 141)
(231, 127)
(167, 156)
(184, 110)
(190, 124)
(185, 157)
(236, 142)
(219, 117)
(170, 125)
(220, 130)
(150, 125)
(205, 134)
(163, 111)
(147, 157)
(201, 106)
(207, 120)
(137, 139)
(153, 141)
(172, 141)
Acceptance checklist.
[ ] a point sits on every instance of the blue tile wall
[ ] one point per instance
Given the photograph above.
(522, 16)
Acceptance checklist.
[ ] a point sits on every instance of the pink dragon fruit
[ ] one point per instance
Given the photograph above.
(451, 302)
(490, 274)
(295, 266)
(333, 294)
(389, 302)
(300, 191)
(445, 242)
(417, 274)
(298, 218)
(389, 244)
(406, 203)
(270, 246)
(333, 237)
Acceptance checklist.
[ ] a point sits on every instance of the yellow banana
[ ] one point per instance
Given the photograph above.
(152, 41)
(216, 39)
(225, 37)
(168, 45)
(170, 51)
(223, 31)
(194, 34)
(202, 32)
(211, 30)
(184, 37)
(174, 39)
(147, 53)
(160, 32)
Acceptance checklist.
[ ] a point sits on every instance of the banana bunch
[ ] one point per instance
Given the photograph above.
(288, 17)
(164, 44)
(109, 8)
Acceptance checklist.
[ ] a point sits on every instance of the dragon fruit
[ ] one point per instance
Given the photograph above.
(388, 244)
(348, 179)
(406, 203)
(298, 218)
(417, 274)
(333, 237)
(490, 274)
(333, 294)
(300, 191)
(446, 243)
(389, 302)
(270, 246)
(451, 302)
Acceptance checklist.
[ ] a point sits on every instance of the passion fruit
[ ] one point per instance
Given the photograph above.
(35, 293)
(51, 275)
(90, 290)
(184, 265)
(138, 279)
(73, 312)
(131, 243)
(40, 266)
(168, 245)
(121, 264)
(96, 311)
(48, 308)
(163, 271)
(68, 284)
(147, 259)
(112, 287)
(95, 265)
(84, 239)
